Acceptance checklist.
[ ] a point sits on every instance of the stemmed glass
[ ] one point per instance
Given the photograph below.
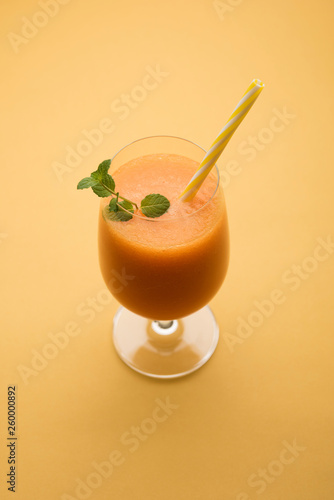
(164, 272)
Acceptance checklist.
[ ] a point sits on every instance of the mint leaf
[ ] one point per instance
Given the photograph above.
(102, 170)
(101, 191)
(104, 187)
(113, 205)
(101, 175)
(127, 205)
(87, 182)
(116, 216)
(154, 205)
(120, 216)
(109, 182)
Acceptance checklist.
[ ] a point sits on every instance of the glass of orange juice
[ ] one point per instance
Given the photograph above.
(165, 270)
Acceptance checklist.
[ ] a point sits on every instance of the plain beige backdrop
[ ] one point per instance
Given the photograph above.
(257, 420)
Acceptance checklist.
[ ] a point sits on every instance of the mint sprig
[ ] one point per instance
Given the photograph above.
(153, 205)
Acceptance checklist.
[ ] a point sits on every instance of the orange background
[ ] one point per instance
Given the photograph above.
(261, 393)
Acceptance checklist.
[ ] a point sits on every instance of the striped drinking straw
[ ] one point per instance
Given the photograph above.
(221, 142)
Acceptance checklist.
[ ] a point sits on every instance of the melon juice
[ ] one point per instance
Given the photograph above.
(169, 267)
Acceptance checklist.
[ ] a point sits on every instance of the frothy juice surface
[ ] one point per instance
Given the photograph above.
(168, 267)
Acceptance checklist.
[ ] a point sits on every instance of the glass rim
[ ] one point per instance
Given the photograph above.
(158, 219)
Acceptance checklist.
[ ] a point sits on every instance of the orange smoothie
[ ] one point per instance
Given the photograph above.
(169, 267)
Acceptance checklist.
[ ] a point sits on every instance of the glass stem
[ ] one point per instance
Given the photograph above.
(165, 324)
(165, 327)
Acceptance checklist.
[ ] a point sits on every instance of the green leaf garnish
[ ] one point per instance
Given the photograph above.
(124, 206)
(87, 182)
(113, 205)
(101, 190)
(104, 183)
(120, 215)
(127, 205)
(154, 205)
(102, 170)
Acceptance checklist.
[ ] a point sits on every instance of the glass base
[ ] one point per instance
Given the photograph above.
(165, 349)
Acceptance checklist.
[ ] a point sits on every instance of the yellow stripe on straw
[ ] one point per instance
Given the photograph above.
(222, 140)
